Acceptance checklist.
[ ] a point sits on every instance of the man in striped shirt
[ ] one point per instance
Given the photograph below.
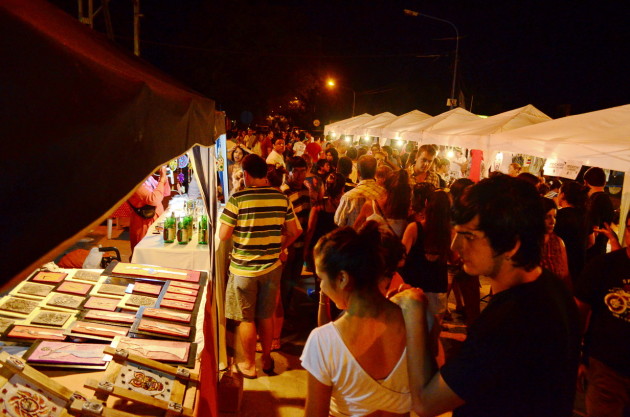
(255, 219)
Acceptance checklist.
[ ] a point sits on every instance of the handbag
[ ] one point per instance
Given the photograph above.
(146, 212)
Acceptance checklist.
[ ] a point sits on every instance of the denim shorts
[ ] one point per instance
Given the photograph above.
(252, 298)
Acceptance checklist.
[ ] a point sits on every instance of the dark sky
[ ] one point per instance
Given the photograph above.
(561, 56)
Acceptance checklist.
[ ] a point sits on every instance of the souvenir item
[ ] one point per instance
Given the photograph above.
(168, 315)
(86, 275)
(21, 398)
(140, 300)
(85, 355)
(96, 329)
(178, 305)
(101, 303)
(110, 316)
(33, 333)
(65, 300)
(18, 305)
(160, 327)
(51, 318)
(112, 289)
(5, 323)
(144, 288)
(159, 350)
(74, 288)
(45, 276)
(180, 297)
(31, 288)
(140, 379)
(155, 272)
(181, 284)
(183, 291)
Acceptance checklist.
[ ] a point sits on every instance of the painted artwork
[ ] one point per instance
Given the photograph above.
(39, 290)
(180, 297)
(67, 353)
(101, 303)
(177, 305)
(156, 272)
(20, 398)
(74, 288)
(144, 288)
(159, 350)
(86, 275)
(181, 284)
(110, 316)
(65, 300)
(34, 333)
(5, 323)
(183, 291)
(169, 329)
(145, 381)
(141, 300)
(97, 329)
(51, 318)
(53, 277)
(160, 313)
(112, 289)
(18, 305)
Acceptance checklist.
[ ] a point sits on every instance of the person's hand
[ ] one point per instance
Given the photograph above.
(606, 230)
(284, 255)
(411, 299)
(581, 378)
(393, 291)
(163, 171)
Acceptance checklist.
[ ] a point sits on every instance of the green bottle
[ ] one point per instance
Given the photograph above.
(182, 232)
(170, 229)
(202, 231)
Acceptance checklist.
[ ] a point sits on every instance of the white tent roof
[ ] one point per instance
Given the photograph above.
(600, 138)
(454, 117)
(367, 127)
(475, 134)
(394, 128)
(337, 126)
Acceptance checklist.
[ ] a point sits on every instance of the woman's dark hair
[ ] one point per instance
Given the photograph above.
(231, 156)
(437, 228)
(459, 185)
(529, 177)
(335, 156)
(419, 196)
(357, 253)
(344, 166)
(275, 175)
(554, 183)
(319, 165)
(393, 251)
(352, 153)
(575, 193)
(398, 195)
(548, 204)
(509, 210)
(336, 188)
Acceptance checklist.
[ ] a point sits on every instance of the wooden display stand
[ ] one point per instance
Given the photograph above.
(150, 375)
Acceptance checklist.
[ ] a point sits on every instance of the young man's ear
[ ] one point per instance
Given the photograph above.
(510, 254)
(343, 280)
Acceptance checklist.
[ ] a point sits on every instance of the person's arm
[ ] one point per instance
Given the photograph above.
(317, 398)
(366, 211)
(310, 229)
(410, 236)
(292, 232)
(430, 394)
(610, 234)
(225, 231)
(341, 214)
(323, 312)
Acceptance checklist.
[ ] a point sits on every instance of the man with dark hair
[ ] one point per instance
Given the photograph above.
(262, 224)
(353, 154)
(344, 167)
(599, 211)
(367, 190)
(602, 294)
(521, 355)
(276, 157)
(422, 171)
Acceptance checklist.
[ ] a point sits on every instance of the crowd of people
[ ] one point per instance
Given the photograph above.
(390, 233)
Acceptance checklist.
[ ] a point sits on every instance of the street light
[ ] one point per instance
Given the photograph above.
(451, 101)
(331, 84)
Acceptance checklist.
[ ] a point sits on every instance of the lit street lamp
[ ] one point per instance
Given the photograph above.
(331, 84)
(451, 101)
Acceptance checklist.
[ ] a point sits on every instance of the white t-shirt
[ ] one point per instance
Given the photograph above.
(275, 158)
(354, 391)
(298, 148)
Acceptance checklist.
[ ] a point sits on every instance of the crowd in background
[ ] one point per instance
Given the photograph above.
(348, 201)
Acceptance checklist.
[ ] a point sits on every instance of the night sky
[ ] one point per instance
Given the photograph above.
(564, 57)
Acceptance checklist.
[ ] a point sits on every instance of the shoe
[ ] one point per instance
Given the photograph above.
(275, 345)
(238, 370)
(269, 371)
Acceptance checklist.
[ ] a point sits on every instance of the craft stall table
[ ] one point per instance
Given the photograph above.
(53, 322)
(152, 250)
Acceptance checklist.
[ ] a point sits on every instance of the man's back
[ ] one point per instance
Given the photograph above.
(352, 201)
(257, 215)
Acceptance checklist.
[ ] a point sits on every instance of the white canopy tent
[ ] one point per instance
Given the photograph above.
(475, 133)
(394, 128)
(450, 119)
(600, 138)
(367, 128)
(337, 127)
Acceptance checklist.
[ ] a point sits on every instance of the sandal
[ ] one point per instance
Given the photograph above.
(269, 371)
(238, 370)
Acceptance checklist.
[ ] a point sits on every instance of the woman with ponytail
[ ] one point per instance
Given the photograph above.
(356, 364)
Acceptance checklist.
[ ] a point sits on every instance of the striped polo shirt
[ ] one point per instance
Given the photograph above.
(257, 215)
(301, 202)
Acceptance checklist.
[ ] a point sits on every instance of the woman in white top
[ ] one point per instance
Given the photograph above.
(356, 365)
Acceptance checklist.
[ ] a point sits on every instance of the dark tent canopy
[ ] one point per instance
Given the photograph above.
(82, 123)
